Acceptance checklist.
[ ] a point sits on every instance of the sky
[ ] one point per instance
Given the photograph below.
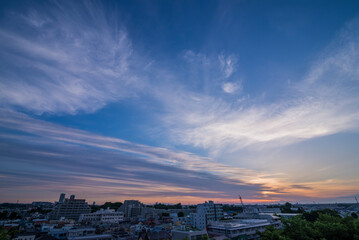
(179, 101)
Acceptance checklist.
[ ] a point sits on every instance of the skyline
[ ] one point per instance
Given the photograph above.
(179, 101)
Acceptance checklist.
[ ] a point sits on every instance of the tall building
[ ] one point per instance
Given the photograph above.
(71, 208)
(206, 212)
(132, 208)
(62, 197)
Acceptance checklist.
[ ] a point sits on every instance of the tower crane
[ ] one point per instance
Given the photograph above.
(240, 198)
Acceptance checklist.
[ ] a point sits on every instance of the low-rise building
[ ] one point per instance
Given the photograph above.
(80, 232)
(95, 237)
(102, 216)
(190, 234)
(25, 236)
(239, 229)
(42, 204)
(59, 232)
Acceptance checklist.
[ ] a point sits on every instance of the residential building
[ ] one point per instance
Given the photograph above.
(25, 236)
(102, 216)
(62, 198)
(174, 217)
(42, 204)
(59, 232)
(206, 212)
(190, 234)
(71, 208)
(80, 232)
(132, 208)
(95, 237)
(239, 229)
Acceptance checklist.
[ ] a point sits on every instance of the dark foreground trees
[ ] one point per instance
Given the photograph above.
(318, 225)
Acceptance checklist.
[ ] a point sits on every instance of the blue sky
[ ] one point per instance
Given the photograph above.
(179, 101)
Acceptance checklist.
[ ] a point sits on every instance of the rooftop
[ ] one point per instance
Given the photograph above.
(239, 224)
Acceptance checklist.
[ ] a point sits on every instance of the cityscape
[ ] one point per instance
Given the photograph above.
(179, 119)
(74, 219)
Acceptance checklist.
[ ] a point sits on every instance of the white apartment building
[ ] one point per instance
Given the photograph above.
(206, 212)
(102, 216)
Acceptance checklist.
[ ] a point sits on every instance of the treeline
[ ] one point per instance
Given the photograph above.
(115, 205)
(14, 205)
(39, 210)
(288, 208)
(234, 208)
(323, 224)
(166, 206)
(8, 234)
(4, 215)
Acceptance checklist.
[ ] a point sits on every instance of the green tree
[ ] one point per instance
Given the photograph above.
(111, 205)
(300, 229)
(286, 208)
(326, 224)
(14, 215)
(204, 237)
(12, 232)
(272, 233)
(314, 215)
(356, 229)
(3, 234)
(4, 214)
(331, 228)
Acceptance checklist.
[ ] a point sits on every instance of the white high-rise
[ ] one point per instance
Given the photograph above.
(206, 212)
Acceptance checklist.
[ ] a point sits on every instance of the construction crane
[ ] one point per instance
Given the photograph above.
(240, 198)
(356, 199)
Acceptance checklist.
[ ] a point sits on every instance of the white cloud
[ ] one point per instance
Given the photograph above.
(323, 103)
(231, 87)
(73, 61)
(112, 165)
(228, 65)
(71, 65)
(45, 137)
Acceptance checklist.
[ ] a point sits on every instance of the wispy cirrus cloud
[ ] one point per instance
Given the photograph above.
(49, 151)
(78, 60)
(69, 58)
(231, 87)
(57, 159)
(325, 102)
(228, 64)
(77, 57)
